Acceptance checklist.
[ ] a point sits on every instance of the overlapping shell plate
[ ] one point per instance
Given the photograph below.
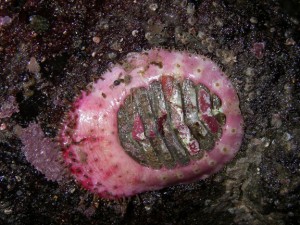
(169, 123)
(159, 118)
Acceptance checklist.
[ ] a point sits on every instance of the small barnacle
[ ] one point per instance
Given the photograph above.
(192, 20)
(228, 57)
(153, 7)
(219, 22)
(190, 9)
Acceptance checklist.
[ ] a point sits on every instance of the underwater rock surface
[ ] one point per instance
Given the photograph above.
(62, 47)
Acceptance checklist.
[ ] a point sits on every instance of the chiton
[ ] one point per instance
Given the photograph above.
(156, 119)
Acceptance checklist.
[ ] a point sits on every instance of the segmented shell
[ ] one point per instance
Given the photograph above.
(158, 118)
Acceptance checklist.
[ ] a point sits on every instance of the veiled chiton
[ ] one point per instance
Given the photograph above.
(158, 118)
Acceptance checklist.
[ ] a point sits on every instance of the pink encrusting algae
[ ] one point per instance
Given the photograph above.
(157, 119)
